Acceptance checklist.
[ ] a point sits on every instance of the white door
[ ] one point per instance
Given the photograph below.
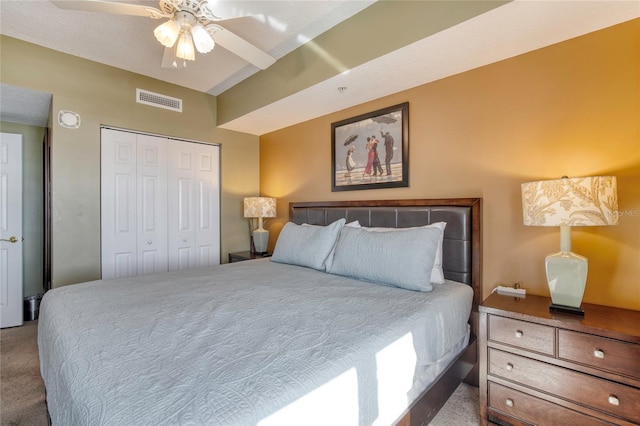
(181, 213)
(11, 302)
(207, 205)
(118, 204)
(194, 205)
(133, 204)
(160, 204)
(151, 207)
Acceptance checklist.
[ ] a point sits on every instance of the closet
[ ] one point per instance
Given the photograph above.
(160, 204)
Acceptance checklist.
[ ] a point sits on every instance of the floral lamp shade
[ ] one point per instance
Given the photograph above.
(260, 207)
(567, 202)
(586, 201)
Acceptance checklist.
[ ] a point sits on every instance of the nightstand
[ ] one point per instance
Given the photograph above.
(245, 255)
(542, 367)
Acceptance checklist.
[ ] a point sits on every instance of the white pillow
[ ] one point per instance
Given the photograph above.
(437, 274)
(306, 245)
(398, 257)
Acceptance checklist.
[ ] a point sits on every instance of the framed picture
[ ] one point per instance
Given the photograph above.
(371, 151)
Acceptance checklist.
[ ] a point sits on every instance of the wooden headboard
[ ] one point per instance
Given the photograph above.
(462, 246)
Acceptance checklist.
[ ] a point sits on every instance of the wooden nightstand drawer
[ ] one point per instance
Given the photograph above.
(528, 408)
(561, 366)
(600, 394)
(522, 334)
(599, 352)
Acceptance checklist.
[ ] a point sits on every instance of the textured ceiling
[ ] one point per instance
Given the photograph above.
(507, 31)
(278, 27)
(127, 42)
(18, 105)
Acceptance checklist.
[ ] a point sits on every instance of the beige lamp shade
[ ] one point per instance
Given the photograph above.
(585, 201)
(259, 207)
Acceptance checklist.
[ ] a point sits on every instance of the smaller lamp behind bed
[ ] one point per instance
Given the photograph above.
(260, 207)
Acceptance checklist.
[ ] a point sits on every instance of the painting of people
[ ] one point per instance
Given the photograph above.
(371, 150)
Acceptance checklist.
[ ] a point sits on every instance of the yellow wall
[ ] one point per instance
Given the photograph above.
(104, 95)
(568, 109)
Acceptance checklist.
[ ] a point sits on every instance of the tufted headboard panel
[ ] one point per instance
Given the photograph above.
(462, 236)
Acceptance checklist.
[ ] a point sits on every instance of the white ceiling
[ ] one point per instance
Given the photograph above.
(280, 26)
(19, 105)
(127, 42)
(507, 31)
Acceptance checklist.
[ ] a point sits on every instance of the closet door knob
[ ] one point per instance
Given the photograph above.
(149, 242)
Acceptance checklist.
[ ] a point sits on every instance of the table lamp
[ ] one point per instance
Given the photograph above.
(260, 207)
(567, 202)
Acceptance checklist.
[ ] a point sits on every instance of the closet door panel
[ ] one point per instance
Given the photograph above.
(181, 214)
(151, 205)
(124, 265)
(118, 204)
(184, 259)
(208, 205)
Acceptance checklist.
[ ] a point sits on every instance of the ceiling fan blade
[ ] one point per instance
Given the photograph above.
(241, 47)
(110, 7)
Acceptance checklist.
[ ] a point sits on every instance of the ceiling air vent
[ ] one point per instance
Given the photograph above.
(158, 100)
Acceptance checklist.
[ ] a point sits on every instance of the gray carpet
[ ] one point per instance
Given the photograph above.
(462, 409)
(22, 391)
(21, 387)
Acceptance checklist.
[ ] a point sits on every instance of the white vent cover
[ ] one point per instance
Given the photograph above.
(158, 100)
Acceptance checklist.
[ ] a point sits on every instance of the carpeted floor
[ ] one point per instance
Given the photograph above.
(22, 391)
(462, 409)
(21, 388)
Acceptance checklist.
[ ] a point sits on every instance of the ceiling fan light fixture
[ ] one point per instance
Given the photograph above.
(167, 33)
(185, 49)
(202, 39)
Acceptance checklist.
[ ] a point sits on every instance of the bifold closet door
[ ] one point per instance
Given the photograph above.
(160, 204)
(194, 205)
(133, 204)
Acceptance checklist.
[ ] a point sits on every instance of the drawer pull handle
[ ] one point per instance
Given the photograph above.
(519, 333)
(613, 400)
(509, 366)
(598, 353)
(509, 402)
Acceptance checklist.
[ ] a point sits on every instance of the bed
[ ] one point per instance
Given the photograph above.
(299, 338)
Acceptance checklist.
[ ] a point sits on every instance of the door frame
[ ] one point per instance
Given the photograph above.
(46, 282)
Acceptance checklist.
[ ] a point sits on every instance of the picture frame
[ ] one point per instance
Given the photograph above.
(371, 151)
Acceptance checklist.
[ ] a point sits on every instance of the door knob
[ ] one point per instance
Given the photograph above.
(10, 240)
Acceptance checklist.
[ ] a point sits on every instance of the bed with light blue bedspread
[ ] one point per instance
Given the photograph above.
(249, 343)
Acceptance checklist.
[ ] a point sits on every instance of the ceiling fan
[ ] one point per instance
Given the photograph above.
(191, 24)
